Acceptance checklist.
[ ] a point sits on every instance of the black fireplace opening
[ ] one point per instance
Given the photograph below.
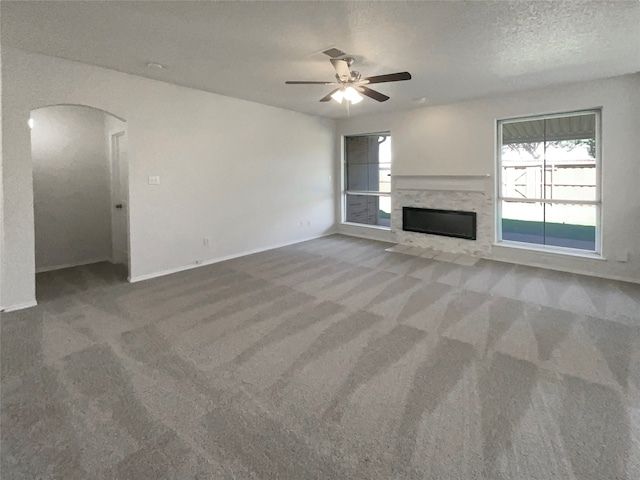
(449, 223)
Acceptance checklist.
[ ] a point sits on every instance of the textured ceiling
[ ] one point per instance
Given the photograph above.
(455, 50)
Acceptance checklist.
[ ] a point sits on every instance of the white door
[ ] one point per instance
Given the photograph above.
(119, 198)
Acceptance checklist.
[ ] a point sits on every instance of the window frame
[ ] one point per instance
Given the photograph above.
(344, 180)
(597, 252)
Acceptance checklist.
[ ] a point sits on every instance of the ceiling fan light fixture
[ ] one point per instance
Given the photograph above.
(352, 95)
(349, 94)
(338, 95)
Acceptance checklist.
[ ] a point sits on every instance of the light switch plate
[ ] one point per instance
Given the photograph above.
(154, 179)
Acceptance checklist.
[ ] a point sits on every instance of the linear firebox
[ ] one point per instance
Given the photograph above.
(449, 223)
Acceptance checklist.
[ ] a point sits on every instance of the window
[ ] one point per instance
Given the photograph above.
(549, 181)
(367, 176)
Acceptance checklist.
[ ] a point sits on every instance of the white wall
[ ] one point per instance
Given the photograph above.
(1, 187)
(71, 187)
(243, 174)
(460, 139)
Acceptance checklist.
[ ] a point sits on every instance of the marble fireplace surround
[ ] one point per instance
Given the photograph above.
(471, 193)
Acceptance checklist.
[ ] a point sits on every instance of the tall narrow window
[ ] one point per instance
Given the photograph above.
(367, 175)
(549, 191)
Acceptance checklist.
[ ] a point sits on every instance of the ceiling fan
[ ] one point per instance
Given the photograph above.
(350, 84)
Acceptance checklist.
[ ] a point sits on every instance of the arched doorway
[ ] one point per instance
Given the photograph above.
(80, 188)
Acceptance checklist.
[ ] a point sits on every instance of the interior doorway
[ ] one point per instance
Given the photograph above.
(81, 189)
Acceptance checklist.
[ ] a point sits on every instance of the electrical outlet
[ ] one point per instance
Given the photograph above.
(308, 223)
(154, 179)
(205, 241)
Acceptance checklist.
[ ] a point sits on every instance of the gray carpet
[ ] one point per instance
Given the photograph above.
(330, 359)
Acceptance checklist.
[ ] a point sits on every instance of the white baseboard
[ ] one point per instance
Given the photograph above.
(369, 232)
(578, 271)
(162, 273)
(74, 264)
(20, 306)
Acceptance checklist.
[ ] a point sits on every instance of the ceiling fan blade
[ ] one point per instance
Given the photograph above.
(327, 97)
(342, 68)
(380, 97)
(295, 82)
(391, 77)
(334, 52)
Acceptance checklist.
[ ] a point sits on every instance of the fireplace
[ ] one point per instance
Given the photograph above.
(448, 223)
